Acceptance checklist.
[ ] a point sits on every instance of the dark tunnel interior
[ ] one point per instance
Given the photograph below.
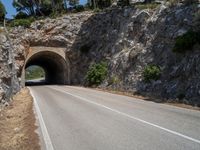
(54, 65)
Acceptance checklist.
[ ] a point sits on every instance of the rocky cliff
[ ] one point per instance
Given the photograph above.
(128, 39)
(8, 79)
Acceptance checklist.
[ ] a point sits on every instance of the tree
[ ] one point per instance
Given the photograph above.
(92, 3)
(25, 6)
(2, 12)
(43, 7)
(65, 3)
(57, 5)
(73, 2)
(35, 7)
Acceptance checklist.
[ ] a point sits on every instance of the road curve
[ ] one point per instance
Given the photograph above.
(84, 119)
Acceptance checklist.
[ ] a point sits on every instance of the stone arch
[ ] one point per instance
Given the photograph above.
(53, 60)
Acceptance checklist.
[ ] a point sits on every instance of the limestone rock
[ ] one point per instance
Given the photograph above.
(128, 38)
(8, 80)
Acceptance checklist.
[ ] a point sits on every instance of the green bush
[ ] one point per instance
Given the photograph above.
(21, 15)
(22, 22)
(151, 72)
(97, 73)
(186, 41)
(114, 80)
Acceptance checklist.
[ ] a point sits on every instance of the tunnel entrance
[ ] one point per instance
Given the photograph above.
(35, 75)
(55, 66)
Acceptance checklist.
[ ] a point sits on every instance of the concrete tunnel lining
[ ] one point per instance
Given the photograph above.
(55, 66)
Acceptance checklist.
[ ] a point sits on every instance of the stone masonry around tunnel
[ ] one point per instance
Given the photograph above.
(53, 60)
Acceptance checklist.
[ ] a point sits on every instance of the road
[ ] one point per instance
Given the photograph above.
(78, 118)
(39, 81)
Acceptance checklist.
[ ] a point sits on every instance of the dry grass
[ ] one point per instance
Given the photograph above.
(17, 124)
(147, 6)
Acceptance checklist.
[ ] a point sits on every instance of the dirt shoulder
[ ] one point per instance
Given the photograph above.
(17, 124)
(139, 97)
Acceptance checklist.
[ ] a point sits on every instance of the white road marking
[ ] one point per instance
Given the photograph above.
(47, 140)
(129, 116)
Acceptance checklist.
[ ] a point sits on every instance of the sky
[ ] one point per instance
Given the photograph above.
(9, 8)
(11, 11)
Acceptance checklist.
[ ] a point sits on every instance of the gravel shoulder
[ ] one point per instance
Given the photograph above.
(157, 100)
(17, 124)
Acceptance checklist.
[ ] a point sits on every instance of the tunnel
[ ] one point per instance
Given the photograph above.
(55, 66)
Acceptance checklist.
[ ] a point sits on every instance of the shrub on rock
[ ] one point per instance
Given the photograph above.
(151, 72)
(22, 22)
(97, 73)
(186, 41)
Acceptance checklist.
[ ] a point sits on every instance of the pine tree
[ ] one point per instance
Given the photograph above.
(2, 12)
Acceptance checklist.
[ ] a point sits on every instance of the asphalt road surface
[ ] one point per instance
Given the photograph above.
(40, 81)
(78, 118)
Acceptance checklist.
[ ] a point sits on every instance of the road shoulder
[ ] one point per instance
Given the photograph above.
(153, 99)
(17, 124)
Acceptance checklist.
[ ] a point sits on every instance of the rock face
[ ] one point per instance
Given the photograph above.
(8, 79)
(128, 39)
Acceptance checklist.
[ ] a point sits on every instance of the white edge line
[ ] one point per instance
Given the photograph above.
(47, 140)
(135, 118)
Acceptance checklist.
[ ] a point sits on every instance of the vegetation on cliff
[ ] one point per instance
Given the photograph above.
(129, 39)
(2, 12)
(28, 11)
(151, 72)
(187, 41)
(97, 73)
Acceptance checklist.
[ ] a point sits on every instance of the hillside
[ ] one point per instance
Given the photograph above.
(129, 40)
